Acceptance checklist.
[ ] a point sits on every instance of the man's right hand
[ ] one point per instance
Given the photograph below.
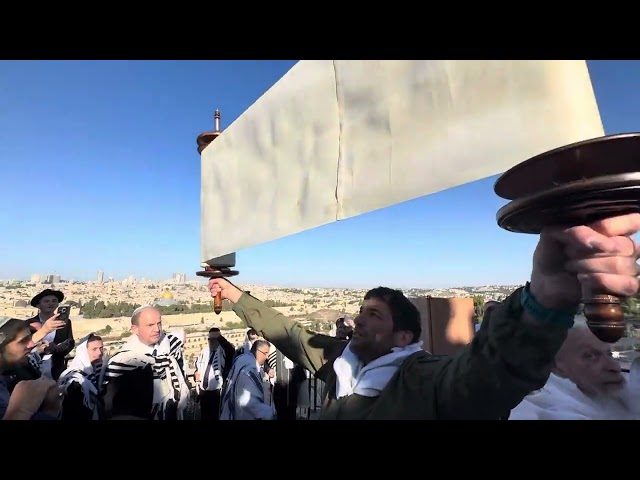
(225, 288)
(52, 403)
(27, 397)
(52, 324)
(570, 263)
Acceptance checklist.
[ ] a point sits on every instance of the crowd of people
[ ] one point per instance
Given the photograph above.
(532, 357)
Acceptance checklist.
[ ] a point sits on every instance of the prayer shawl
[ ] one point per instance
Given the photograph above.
(169, 384)
(35, 360)
(41, 361)
(368, 380)
(210, 368)
(243, 397)
(272, 362)
(282, 368)
(88, 376)
(285, 390)
(561, 399)
(179, 333)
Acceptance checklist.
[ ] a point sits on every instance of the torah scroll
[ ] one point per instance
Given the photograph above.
(337, 138)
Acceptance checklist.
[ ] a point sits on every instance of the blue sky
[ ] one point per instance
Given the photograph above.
(99, 170)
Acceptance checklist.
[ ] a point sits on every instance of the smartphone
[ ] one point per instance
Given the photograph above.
(63, 312)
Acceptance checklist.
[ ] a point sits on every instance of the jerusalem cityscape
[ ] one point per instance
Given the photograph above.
(104, 306)
(187, 305)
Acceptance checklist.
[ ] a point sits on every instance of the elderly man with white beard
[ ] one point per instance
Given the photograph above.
(586, 383)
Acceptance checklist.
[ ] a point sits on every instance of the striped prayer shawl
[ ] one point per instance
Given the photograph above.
(35, 360)
(165, 359)
(93, 377)
(163, 364)
(272, 359)
(210, 368)
(272, 364)
(89, 383)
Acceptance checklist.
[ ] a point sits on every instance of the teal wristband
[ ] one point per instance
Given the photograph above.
(562, 317)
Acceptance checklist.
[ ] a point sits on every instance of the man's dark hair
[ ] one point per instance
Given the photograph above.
(10, 330)
(251, 332)
(259, 343)
(93, 338)
(214, 330)
(404, 314)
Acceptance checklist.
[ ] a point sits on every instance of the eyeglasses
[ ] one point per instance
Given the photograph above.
(264, 353)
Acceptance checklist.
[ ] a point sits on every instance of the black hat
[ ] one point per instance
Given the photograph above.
(45, 293)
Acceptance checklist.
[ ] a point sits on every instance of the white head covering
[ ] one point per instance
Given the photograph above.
(3, 321)
(83, 372)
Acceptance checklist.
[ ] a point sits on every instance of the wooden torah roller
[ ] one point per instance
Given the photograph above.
(576, 185)
(213, 272)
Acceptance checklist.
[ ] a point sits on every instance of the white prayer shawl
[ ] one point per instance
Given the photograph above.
(243, 397)
(180, 334)
(352, 377)
(561, 399)
(168, 380)
(215, 380)
(81, 371)
(634, 375)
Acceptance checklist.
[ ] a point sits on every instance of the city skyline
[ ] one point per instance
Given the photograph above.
(119, 155)
(61, 279)
(99, 277)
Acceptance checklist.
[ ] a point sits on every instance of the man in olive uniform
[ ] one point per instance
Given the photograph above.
(383, 373)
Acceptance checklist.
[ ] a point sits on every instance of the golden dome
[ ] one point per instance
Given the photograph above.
(167, 295)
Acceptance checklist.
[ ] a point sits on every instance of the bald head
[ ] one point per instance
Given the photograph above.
(587, 361)
(146, 324)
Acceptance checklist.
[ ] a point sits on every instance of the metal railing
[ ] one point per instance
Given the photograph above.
(310, 398)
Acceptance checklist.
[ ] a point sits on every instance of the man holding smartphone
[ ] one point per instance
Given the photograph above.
(59, 341)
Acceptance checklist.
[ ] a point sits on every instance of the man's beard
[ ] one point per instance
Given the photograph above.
(6, 364)
(615, 400)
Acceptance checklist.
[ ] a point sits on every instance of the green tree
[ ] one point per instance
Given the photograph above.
(478, 304)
